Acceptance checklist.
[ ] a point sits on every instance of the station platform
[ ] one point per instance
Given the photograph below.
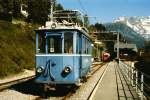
(114, 86)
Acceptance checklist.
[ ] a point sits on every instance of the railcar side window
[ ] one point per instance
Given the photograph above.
(78, 44)
(85, 45)
(68, 42)
(89, 47)
(41, 43)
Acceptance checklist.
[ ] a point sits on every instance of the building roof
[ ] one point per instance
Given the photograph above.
(126, 45)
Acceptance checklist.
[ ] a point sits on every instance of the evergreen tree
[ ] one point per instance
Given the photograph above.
(16, 8)
(38, 11)
(59, 7)
(6, 10)
(100, 27)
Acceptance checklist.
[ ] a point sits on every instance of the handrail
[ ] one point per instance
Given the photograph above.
(148, 76)
(137, 79)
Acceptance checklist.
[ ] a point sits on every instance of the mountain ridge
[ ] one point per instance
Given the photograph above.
(141, 25)
(128, 33)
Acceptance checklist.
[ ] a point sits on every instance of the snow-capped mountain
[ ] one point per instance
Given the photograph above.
(139, 24)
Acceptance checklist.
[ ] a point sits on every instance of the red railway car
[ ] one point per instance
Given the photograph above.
(106, 57)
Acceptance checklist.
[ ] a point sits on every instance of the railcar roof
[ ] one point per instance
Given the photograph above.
(55, 30)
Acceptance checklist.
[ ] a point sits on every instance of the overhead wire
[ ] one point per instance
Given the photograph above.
(85, 11)
(82, 7)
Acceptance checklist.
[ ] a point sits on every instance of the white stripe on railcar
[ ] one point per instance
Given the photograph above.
(63, 55)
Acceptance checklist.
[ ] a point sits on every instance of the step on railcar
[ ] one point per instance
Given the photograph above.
(63, 54)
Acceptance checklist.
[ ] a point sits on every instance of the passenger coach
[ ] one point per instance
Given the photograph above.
(63, 54)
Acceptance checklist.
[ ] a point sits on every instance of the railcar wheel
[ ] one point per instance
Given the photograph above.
(60, 87)
(89, 75)
(85, 79)
(44, 90)
(78, 84)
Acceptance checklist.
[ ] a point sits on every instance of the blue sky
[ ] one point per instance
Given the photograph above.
(108, 10)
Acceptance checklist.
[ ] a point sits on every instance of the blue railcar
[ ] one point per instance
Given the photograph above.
(63, 55)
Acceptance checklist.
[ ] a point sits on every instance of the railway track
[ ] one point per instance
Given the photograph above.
(27, 88)
(74, 91)
(6, 85)
(95, 68)
(98, 82)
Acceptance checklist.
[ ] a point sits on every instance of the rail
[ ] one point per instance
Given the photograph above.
(90, 97)
(138, 79)
(76, 92)
(96, 67)
(13, 82)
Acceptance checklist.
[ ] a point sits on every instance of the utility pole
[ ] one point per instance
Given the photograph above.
(52, 7)
(118, 46)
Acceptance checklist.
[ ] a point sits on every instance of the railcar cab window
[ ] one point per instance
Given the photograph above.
(49, 44)
(68, 42)
(54, 44)
(41, 43)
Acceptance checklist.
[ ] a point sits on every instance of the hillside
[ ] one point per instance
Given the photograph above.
(129, 34)
(17, 43)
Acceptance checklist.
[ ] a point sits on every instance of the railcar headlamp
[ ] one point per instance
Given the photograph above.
(40, 69)
(66, 71)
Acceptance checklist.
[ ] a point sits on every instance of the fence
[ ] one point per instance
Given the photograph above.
(138, 79)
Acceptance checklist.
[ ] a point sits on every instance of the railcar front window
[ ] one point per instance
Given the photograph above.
(54, 44)
(51, 45)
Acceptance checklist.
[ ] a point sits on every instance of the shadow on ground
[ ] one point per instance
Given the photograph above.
(31, 88)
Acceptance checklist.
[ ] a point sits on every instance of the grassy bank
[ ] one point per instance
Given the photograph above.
(17, 43)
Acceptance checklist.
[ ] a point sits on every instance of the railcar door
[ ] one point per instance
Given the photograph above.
(54, 59)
